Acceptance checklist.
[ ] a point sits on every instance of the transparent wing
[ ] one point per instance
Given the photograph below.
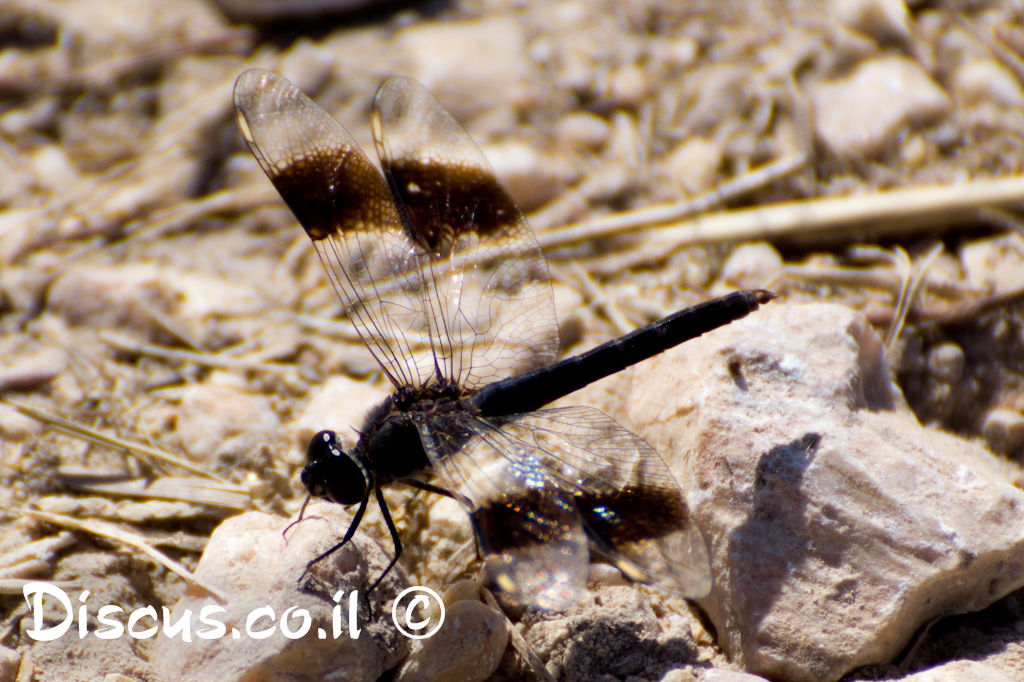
(347, 210)
(488, 299)
(631, 505)
(540, 485)
(528, 526)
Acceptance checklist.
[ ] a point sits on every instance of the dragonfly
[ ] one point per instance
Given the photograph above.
(449, 290)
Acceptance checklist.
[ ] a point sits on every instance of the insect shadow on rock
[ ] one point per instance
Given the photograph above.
(448, 288)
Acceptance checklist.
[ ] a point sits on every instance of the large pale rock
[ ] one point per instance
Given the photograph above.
(471, 66)
(861, 115)
(101, 579)
(837, 524)
(249, 559)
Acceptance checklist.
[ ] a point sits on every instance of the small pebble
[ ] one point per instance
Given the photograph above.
(995, 263)
(583, 129)
(110, 296)
(605, 574)
(694, 164)
(463, 590)
(883, 20)
(914, 150)
(468, 647)
(14, 426)
(1004, 431)
(29, 371)
(675, 54)
(752, 266)
(223, 424)
(946, 362)
(986, 80)
(53, 170)
(628, 86)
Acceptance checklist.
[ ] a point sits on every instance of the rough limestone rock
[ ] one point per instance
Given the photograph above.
(250, 560)
(837, 524)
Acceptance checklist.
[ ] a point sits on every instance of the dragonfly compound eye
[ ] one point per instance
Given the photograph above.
(332, 472)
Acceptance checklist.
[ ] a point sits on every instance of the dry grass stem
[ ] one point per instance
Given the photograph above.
(173, 488)
(127, 345)
(909, 291)
(628, 221)
(902, 262)
(593, 291)
(107, 74)
(185, 215)
(13, 586)
(861, 278)
(111, 532)
(971, 310)
(43, 548)
(848, 219)
(146, 453)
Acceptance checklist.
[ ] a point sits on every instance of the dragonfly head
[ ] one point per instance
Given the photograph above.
(334, 473)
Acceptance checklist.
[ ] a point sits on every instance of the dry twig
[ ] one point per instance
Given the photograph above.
(128, 345)
(848, 219)
(112, 532)
(628, 221)
(148, 454)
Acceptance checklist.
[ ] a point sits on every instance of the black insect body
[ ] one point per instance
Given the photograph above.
(450, 292)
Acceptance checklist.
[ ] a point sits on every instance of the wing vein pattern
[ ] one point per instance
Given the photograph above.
(435, 265)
